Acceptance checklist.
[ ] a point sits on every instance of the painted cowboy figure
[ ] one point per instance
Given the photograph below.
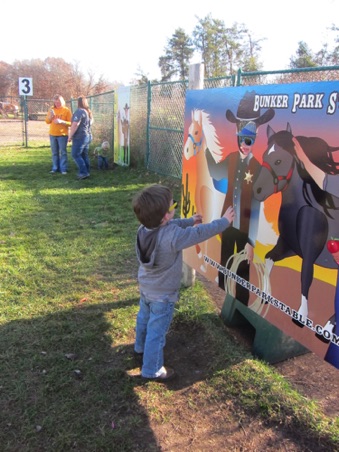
(126, 108)
(239, 169)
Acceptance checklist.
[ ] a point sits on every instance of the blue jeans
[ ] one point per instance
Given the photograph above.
(153, 321)
(59, 153)
(102, 162)
(80, 151)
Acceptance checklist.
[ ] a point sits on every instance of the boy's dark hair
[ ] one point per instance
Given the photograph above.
(151, 205)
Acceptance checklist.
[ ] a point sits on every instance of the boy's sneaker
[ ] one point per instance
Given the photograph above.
(167, 374)
(64, 172)
(52, 172)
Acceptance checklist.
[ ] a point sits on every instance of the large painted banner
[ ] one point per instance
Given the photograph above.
(273, 153)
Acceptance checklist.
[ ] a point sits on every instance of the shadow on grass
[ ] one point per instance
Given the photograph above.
(64, 385)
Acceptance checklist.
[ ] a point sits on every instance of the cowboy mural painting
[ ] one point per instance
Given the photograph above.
(273, 153)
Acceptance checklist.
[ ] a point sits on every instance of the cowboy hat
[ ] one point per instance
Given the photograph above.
(247, 117)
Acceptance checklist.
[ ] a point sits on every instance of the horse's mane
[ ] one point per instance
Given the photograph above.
(317, 150)
(212, 140)
(320, 153)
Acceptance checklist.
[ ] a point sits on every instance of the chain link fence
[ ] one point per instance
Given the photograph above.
(103, 108)
(317, 74)
(166, 119)
(30, 128)
(138, 125)
(156, 116)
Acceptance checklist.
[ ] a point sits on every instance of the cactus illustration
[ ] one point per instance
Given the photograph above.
(186, 199)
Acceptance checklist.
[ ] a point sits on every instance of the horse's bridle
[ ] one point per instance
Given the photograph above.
(196, 144)
(277, 179)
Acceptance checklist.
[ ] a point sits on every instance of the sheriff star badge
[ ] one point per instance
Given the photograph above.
(248, 177)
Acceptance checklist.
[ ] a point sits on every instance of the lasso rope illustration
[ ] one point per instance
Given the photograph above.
(264, 285)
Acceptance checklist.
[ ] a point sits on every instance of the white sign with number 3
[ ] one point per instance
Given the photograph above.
(25, 86)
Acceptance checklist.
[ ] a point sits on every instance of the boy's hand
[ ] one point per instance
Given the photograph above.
(197, 218)
(229, 214)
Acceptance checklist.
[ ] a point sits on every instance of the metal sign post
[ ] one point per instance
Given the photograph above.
(25, 89)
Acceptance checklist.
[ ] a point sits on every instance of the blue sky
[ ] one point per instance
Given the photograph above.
(115, 39)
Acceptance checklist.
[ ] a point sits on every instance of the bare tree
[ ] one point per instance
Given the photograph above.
(51, 76)
(5, 79)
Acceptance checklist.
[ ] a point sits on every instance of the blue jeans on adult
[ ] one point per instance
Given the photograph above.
(153, 321)
(59, 153)
(80, 151)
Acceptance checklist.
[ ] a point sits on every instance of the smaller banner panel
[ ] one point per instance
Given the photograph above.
(123, 124)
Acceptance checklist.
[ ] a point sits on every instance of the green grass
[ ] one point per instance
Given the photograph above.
(68, 300)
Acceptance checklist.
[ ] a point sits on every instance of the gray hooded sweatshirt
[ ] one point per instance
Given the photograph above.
(159, 252)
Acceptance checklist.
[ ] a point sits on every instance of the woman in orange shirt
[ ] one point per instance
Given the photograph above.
(59, 117)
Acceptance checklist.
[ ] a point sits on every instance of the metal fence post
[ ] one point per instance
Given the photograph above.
(239, 77)
(149, 105)
(24, 108)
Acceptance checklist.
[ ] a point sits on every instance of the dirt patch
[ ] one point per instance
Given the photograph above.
(200, 424)
(309, 374)
(194, 422)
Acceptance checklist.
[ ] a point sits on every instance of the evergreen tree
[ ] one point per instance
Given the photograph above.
(208, 38)
(250, 57)
(303, 58)
(334, 55)
(225, 50)
(175, 62)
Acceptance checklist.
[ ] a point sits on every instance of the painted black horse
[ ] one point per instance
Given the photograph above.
(308, 216)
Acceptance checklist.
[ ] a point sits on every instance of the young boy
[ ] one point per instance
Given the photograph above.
(159, 245)
(102, 153)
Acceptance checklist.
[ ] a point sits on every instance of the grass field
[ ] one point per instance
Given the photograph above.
(68, 300)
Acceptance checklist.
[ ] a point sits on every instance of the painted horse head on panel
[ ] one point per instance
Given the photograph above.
(207, 201)
(309, 212)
